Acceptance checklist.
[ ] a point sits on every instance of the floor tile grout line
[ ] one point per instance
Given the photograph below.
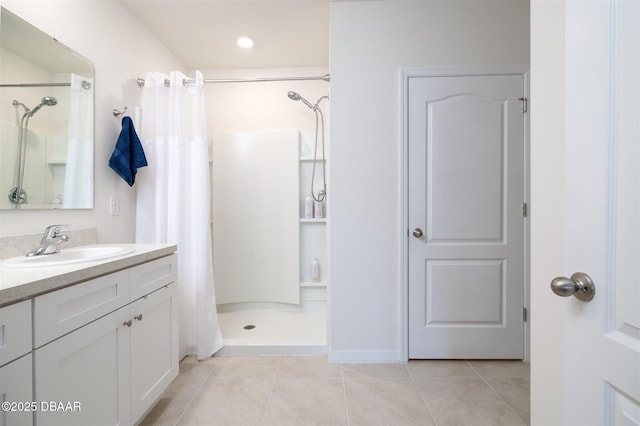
(197, 392)
(501, 399)
(413, 380)
(344, 394)
(484, 379)
(273, 385)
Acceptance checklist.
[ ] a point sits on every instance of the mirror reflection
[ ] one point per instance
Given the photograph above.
(46, 120)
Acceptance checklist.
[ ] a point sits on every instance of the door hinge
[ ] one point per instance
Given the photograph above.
(525, 103)
(525, 209)
(524, 314)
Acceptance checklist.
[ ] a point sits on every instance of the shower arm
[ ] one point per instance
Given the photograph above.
(320, 99)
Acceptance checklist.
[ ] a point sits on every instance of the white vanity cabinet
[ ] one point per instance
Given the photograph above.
(105, 350)
(15, 363)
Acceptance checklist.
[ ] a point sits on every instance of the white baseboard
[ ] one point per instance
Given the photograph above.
(365, 357)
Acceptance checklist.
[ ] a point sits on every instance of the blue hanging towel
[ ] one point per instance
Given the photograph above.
(128, 155)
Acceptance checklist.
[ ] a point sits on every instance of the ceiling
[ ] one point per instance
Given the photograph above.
(203, 33)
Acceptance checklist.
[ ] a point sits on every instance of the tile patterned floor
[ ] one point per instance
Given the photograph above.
(307, 390)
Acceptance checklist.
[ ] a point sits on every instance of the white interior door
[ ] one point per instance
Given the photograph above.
(465, 214)
(586, 363)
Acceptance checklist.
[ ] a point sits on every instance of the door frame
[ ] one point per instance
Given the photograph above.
(405, 75)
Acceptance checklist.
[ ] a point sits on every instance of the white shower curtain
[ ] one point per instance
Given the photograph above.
(78, 177)
(173, 200)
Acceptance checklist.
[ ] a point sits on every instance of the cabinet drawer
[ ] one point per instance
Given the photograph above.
(62, 311)
(15, 331)
(150, 276)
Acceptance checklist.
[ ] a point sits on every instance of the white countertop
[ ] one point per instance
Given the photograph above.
(18, 284)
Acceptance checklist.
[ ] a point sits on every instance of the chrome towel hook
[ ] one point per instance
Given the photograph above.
(117, 113)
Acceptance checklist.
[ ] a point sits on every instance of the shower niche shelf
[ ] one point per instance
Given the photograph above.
(313, 245)
(313, 231)
(321, 284)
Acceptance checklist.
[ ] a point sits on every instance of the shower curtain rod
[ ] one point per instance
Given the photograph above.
(85, 84)
(186, 81)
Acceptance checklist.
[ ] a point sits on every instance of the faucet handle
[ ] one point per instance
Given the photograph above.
(52, 230)
(57, 227)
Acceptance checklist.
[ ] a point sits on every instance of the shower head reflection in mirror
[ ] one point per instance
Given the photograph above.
(17, 195)
(46, 101)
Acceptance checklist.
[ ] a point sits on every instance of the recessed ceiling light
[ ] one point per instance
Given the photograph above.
(245, 42)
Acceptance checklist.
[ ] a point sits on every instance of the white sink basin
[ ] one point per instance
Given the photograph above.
(68, 257)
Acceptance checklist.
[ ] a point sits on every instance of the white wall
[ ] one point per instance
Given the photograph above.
(264, 106)
(121, 50)
(16, 68)
(370, 43)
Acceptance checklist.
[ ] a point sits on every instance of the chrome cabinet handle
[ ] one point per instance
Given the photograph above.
(579, 285)
(128, 323)
(138, 317)
(417, 232)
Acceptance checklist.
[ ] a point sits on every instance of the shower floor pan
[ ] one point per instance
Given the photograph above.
(272, 330)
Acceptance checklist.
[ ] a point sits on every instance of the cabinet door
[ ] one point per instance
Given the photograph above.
(15, 331)
(16, 387)
(154, 348)
(88, 368)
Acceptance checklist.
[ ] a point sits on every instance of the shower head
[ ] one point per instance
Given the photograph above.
(46, 101)
(295, 96)
(49, 101)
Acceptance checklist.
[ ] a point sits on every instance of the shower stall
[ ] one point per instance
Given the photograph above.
(269, 155)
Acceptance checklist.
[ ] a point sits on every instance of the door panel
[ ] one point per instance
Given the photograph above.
(602, 213)
(466, 190)
(599, 193)
(450, 281)
(465, 178)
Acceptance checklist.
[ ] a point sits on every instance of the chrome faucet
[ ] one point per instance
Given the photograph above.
(50, 242)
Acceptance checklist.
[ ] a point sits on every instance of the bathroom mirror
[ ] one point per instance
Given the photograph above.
(46, 120)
